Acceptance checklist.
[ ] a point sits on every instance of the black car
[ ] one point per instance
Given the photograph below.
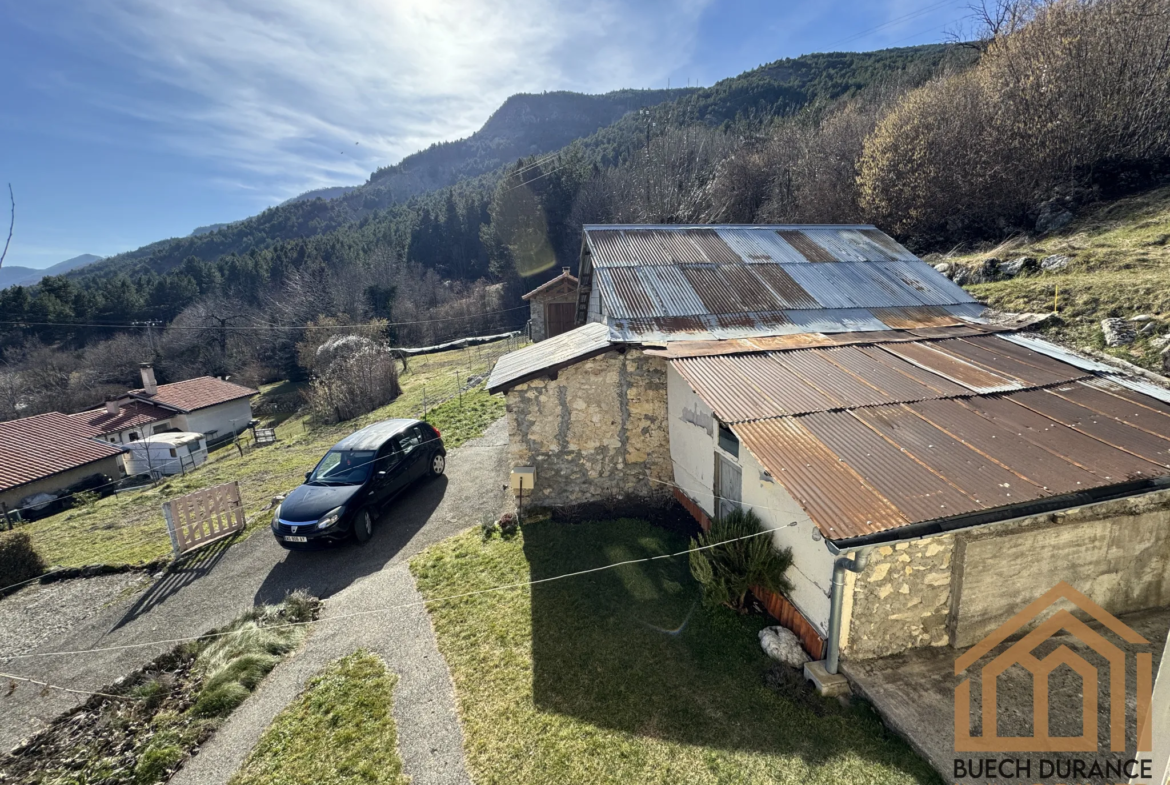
(356, 477)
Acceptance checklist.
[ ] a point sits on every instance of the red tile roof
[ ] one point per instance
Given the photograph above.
(196, 393)
(131, 414)
(32, 448)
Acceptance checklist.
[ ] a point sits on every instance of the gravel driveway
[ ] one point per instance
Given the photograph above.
(222, 583)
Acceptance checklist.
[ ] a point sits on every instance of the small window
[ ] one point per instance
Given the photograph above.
(134, 436)
(728, 441)
(173, 453)
(410, 439)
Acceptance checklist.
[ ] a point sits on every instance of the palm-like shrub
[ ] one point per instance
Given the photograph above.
(729, 569)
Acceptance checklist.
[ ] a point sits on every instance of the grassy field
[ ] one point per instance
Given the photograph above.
(1120, 267)
(339, 730)
(622, 676)
(129, 528)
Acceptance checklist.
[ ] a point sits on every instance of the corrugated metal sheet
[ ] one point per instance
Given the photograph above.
(806, 246)
(558, 350)
(934, 359)
(911, 318)
(827, 320)
(674, 293)
(830, 491)
(789, 292)
(759, 246)
(888, 244)
(713, 246)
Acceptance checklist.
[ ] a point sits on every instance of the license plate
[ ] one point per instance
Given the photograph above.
(296, 539)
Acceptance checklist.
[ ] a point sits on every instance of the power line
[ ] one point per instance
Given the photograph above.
(49, 686)
(385, 609)
(904, 17)
(247, 328)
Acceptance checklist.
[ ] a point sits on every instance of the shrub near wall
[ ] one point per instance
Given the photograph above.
(19, 561)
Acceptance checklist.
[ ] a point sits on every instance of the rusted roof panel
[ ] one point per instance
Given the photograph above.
(759, 246)
(1099, 426)
(987, 482)
(713, 246)
(779, 387)
(751, 291)
(1018, 455)
(805, 245)
(624, 294)
(839, 502)
(871, 250)
(915, 318)
(900, 380)
(987, 353)
(914, 489)
(789, 292)
(937, 361)
(712, 287)
(813, 367)
(1127, 411)
(1114, 386)
(1107, 462)
(680, 248)
(830, 320)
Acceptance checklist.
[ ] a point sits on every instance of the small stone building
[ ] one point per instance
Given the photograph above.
(860, 404)
(553, 306)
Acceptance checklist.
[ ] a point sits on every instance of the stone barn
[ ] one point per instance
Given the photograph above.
(931, 468)
(553, 306)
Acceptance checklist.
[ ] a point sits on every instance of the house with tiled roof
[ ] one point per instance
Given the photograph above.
(50, 454)
(931, 467)
(124, 419)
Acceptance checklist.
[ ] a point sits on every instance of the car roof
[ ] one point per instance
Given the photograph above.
(373, 436)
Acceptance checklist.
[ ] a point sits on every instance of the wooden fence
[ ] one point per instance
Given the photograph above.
(204, 516)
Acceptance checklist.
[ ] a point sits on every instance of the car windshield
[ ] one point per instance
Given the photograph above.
(344, 467)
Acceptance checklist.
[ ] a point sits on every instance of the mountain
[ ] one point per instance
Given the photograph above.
(607, 127)
(27, 276)
(317, 193)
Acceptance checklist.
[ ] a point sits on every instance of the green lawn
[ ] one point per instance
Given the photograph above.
(1120, 267)
(129, 529)
(621, 676)
(339, 730)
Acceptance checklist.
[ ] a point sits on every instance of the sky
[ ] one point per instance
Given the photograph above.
(123, 122)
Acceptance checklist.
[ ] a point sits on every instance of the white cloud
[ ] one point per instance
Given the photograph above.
(277, 92)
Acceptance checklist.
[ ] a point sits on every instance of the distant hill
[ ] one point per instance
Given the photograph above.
(318, 193)
(27, 276)
(607, 127)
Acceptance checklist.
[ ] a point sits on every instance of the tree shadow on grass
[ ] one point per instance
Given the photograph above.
(633, 649)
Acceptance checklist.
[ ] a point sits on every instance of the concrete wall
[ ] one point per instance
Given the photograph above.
(108, 466)
(595, 433)
(216, 418)
(566, 293)
(694, 442)
(956, 588)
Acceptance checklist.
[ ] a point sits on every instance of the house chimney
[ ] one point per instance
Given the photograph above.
(564, 271)
(112, 405)
(149, 385)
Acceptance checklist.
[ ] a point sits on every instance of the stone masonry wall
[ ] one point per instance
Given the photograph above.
(902, 600)
(597, 432)
(953, 589)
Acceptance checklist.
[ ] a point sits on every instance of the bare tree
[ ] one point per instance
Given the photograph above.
(11, 224)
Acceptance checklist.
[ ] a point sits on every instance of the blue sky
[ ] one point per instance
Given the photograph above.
(128, 121)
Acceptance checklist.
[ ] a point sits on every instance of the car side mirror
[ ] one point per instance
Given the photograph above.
(308, 475)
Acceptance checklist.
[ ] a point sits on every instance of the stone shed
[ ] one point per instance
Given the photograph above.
(553, 306)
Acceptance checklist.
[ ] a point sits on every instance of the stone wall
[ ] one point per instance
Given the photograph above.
(956, 588)
(597, 432)
(902, 599)
(536, 313)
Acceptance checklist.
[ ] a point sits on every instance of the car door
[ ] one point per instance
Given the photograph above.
(392, 467)
(415, 450)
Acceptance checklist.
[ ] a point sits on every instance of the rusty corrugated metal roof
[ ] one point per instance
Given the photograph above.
(740, 281)
(873, 437)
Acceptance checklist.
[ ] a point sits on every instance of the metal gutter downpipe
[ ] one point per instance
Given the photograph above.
(837, 600)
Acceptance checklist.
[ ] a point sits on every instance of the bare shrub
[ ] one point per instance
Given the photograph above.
(354, 384)
(19, 561)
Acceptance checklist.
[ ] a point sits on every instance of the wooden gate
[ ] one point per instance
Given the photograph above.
(204, 516)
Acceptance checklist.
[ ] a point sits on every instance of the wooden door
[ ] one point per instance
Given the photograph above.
(559, 318)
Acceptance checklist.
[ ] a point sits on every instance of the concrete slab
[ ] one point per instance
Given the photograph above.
(915, 693)
(831, 685)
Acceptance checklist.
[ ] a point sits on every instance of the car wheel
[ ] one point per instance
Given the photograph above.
(438, 464)
(363, 527)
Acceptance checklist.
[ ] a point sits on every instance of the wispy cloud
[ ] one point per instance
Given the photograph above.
(286, 95)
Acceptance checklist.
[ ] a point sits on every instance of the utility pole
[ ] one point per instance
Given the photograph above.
(150, 324)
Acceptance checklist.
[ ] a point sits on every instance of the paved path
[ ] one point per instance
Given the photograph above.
(222, 583)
